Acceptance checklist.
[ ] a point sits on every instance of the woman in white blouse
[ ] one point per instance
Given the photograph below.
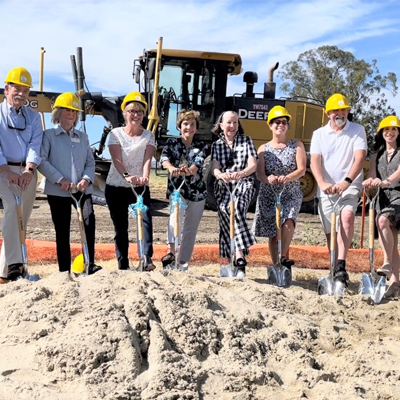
(132, 148)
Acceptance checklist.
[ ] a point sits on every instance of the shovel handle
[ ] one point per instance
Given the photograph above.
(81, 225)
(371, 226)
(21, 229)
(140, 225)
(176, 220)
(232, 219)
(333, 231)
(278, 220)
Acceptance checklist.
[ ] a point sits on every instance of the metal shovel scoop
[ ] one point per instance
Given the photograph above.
(278, 274)
(85, 249)
(328, 285)
(136, 210)
(230, 270)
(17, 192)
(372, 284)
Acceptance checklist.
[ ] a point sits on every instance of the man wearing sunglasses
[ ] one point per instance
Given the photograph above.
(20, 139)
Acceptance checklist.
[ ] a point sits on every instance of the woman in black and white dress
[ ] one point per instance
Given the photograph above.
(282, 161)
(234, 159)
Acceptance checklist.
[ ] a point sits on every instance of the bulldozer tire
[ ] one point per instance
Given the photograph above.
(308, 186)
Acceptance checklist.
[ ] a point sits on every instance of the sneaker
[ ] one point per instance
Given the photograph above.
(340, 271)
(167, 260)
(241, 262)
(15, 271)
(287, 262)
(146, 265)
(93, 268)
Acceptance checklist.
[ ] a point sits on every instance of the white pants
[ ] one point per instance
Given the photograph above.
(191, 216)
(11, 248)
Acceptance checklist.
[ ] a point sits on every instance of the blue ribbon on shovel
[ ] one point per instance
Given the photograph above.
(139, 205)
(176, 200)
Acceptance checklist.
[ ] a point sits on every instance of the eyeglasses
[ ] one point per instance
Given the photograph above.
(14, 127)
(281, 122)
(135, 112)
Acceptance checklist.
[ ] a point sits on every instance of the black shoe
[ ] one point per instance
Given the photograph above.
(93, 268)
(340, 272)
(287, 262)
(167, 260)
(15, 271)
(241, 263)
(146, 264)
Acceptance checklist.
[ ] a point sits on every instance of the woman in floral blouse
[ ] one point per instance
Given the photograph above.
(183, 157)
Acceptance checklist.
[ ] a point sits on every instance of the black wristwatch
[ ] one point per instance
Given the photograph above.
(31, 170)
(125, 174)
(349, 180)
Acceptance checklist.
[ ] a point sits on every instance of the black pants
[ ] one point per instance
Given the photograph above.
(118, 200)
(60, 208)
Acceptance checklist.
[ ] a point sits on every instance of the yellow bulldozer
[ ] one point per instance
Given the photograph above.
(173, 80)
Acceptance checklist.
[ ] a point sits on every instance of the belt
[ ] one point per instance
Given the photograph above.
(17, 164)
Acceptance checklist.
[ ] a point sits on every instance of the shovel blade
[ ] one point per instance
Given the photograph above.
(330, 287)
(373, 287)
(279, 275)
(226, 271)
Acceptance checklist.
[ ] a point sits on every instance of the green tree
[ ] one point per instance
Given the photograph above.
(319, 73)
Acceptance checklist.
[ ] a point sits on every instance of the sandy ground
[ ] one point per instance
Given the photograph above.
(121, 335)
(173, 335)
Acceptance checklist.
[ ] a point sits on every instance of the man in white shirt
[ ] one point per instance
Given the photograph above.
(338, 151)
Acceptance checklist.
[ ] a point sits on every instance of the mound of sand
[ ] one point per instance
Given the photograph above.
(121, 335)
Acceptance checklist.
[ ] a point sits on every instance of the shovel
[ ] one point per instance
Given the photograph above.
(372, 284)
(328, 285)
(230, 270)
(136, 210)
(85, 250)
(17, 192)
(176, 205)
(278, 274)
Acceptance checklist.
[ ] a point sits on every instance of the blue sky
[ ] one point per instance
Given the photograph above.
(114, 33)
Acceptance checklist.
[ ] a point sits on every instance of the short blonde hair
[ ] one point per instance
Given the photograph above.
(187, 115)
(56, 113)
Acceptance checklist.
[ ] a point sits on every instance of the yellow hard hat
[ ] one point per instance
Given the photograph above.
(67, 100)
(78, 266)
(277, 112)
(134, 96)
(388, 122)
(19, 76)
(336, 102)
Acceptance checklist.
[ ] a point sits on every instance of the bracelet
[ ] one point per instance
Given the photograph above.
(244, 172)
(389, 181)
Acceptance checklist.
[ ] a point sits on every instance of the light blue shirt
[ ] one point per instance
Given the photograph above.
(57, 149)
(19, 146)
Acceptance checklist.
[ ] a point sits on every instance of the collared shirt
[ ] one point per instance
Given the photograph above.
(15, 145)
(57, 148)
(235, 159)
(337, 152)
(176, 153)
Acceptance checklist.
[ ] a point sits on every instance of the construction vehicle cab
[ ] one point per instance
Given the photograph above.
(198, 80)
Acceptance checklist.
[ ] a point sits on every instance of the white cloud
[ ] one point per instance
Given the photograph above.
(113, 34)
